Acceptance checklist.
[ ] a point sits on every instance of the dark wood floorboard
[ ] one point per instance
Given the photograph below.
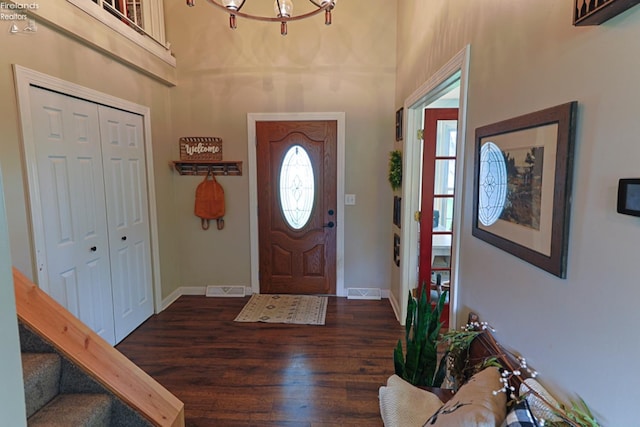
(256, 374)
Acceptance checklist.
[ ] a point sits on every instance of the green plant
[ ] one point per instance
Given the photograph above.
(577, 414)
(395, 169)
(458, 343)
(419, 366)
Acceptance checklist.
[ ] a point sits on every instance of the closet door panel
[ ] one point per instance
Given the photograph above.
(128, 217)
(71, 196)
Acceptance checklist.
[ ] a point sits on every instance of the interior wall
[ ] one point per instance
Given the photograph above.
(11, 403)
(526, 56)
(55, 54)
(224, 74)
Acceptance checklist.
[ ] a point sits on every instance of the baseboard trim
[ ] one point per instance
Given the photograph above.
(395, 305)
(202, 290)
(184, 290)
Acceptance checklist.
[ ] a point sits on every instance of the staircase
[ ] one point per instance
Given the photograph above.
(73, 378)
(57, 393)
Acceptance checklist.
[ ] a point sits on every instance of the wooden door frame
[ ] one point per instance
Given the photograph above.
(456, 69)
(24, 78)
(252, 118)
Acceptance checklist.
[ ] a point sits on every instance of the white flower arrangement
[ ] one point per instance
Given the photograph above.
(547, 410)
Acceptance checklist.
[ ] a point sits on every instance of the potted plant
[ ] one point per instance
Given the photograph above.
(458, 344)
(420, 365)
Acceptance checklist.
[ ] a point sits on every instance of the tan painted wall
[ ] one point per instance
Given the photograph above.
(526, 56)
(49, 52)
(224, 74)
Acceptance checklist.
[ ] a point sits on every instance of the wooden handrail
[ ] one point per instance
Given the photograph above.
(85, 348)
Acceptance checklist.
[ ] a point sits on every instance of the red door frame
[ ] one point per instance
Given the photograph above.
(429, 158)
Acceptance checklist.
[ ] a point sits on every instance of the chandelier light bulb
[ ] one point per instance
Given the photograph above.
(283, 8)
(283, 11)
(327, 12)
(232, 4)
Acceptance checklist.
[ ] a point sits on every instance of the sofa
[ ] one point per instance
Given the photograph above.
(488, 398)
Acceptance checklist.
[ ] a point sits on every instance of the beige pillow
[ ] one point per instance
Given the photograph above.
(474, 405)
(404, 405)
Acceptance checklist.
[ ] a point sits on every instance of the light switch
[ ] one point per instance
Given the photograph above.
(349, 199)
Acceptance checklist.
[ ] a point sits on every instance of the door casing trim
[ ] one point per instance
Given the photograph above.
(414, 105)
(24, 78)
(252, 118)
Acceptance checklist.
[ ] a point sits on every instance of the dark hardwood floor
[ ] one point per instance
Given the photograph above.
(255, 374)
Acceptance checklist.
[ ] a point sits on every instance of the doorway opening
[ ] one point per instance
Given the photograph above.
(437, 199)
(445, 89)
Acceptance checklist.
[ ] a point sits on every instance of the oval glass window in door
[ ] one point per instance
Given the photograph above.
(297, 188)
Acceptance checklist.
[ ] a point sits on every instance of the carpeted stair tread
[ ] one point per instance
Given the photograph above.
(41, 375)
(74, 410)
(47, 373)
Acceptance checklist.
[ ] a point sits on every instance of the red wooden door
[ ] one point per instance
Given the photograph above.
(296, 176)
(437, 197)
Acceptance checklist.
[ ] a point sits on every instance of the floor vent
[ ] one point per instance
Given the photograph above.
(363, 293)
(225, 291)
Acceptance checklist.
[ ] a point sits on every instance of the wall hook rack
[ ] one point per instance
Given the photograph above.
(202, 167)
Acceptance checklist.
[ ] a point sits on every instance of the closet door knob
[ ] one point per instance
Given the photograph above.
(123, 238)
(93, 248)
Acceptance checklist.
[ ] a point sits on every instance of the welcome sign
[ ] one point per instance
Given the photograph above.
(200, 148)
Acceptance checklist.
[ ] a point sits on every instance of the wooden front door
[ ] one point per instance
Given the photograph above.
(296, 176)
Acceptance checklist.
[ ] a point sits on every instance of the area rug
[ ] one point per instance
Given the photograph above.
(296, 309)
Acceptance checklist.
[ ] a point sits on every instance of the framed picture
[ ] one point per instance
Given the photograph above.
(397, 204)
(396, 249)
(522, 185)
(590, 12)
(399, 124)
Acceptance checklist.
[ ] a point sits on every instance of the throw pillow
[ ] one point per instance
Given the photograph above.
(475, 404)
(539, 409)
(405, 405)
(520, 416)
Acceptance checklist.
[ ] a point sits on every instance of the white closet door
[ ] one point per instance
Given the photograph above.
(127, 217)
(70, 183)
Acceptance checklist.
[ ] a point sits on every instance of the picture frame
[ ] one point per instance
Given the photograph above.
(397, 206)
(399, 115)
(396, 249)
(523, 170)
(592, 12)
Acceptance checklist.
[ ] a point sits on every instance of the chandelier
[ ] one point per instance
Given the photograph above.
(283, 10)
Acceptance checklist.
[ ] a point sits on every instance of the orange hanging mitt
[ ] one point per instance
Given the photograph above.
(210, 202)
